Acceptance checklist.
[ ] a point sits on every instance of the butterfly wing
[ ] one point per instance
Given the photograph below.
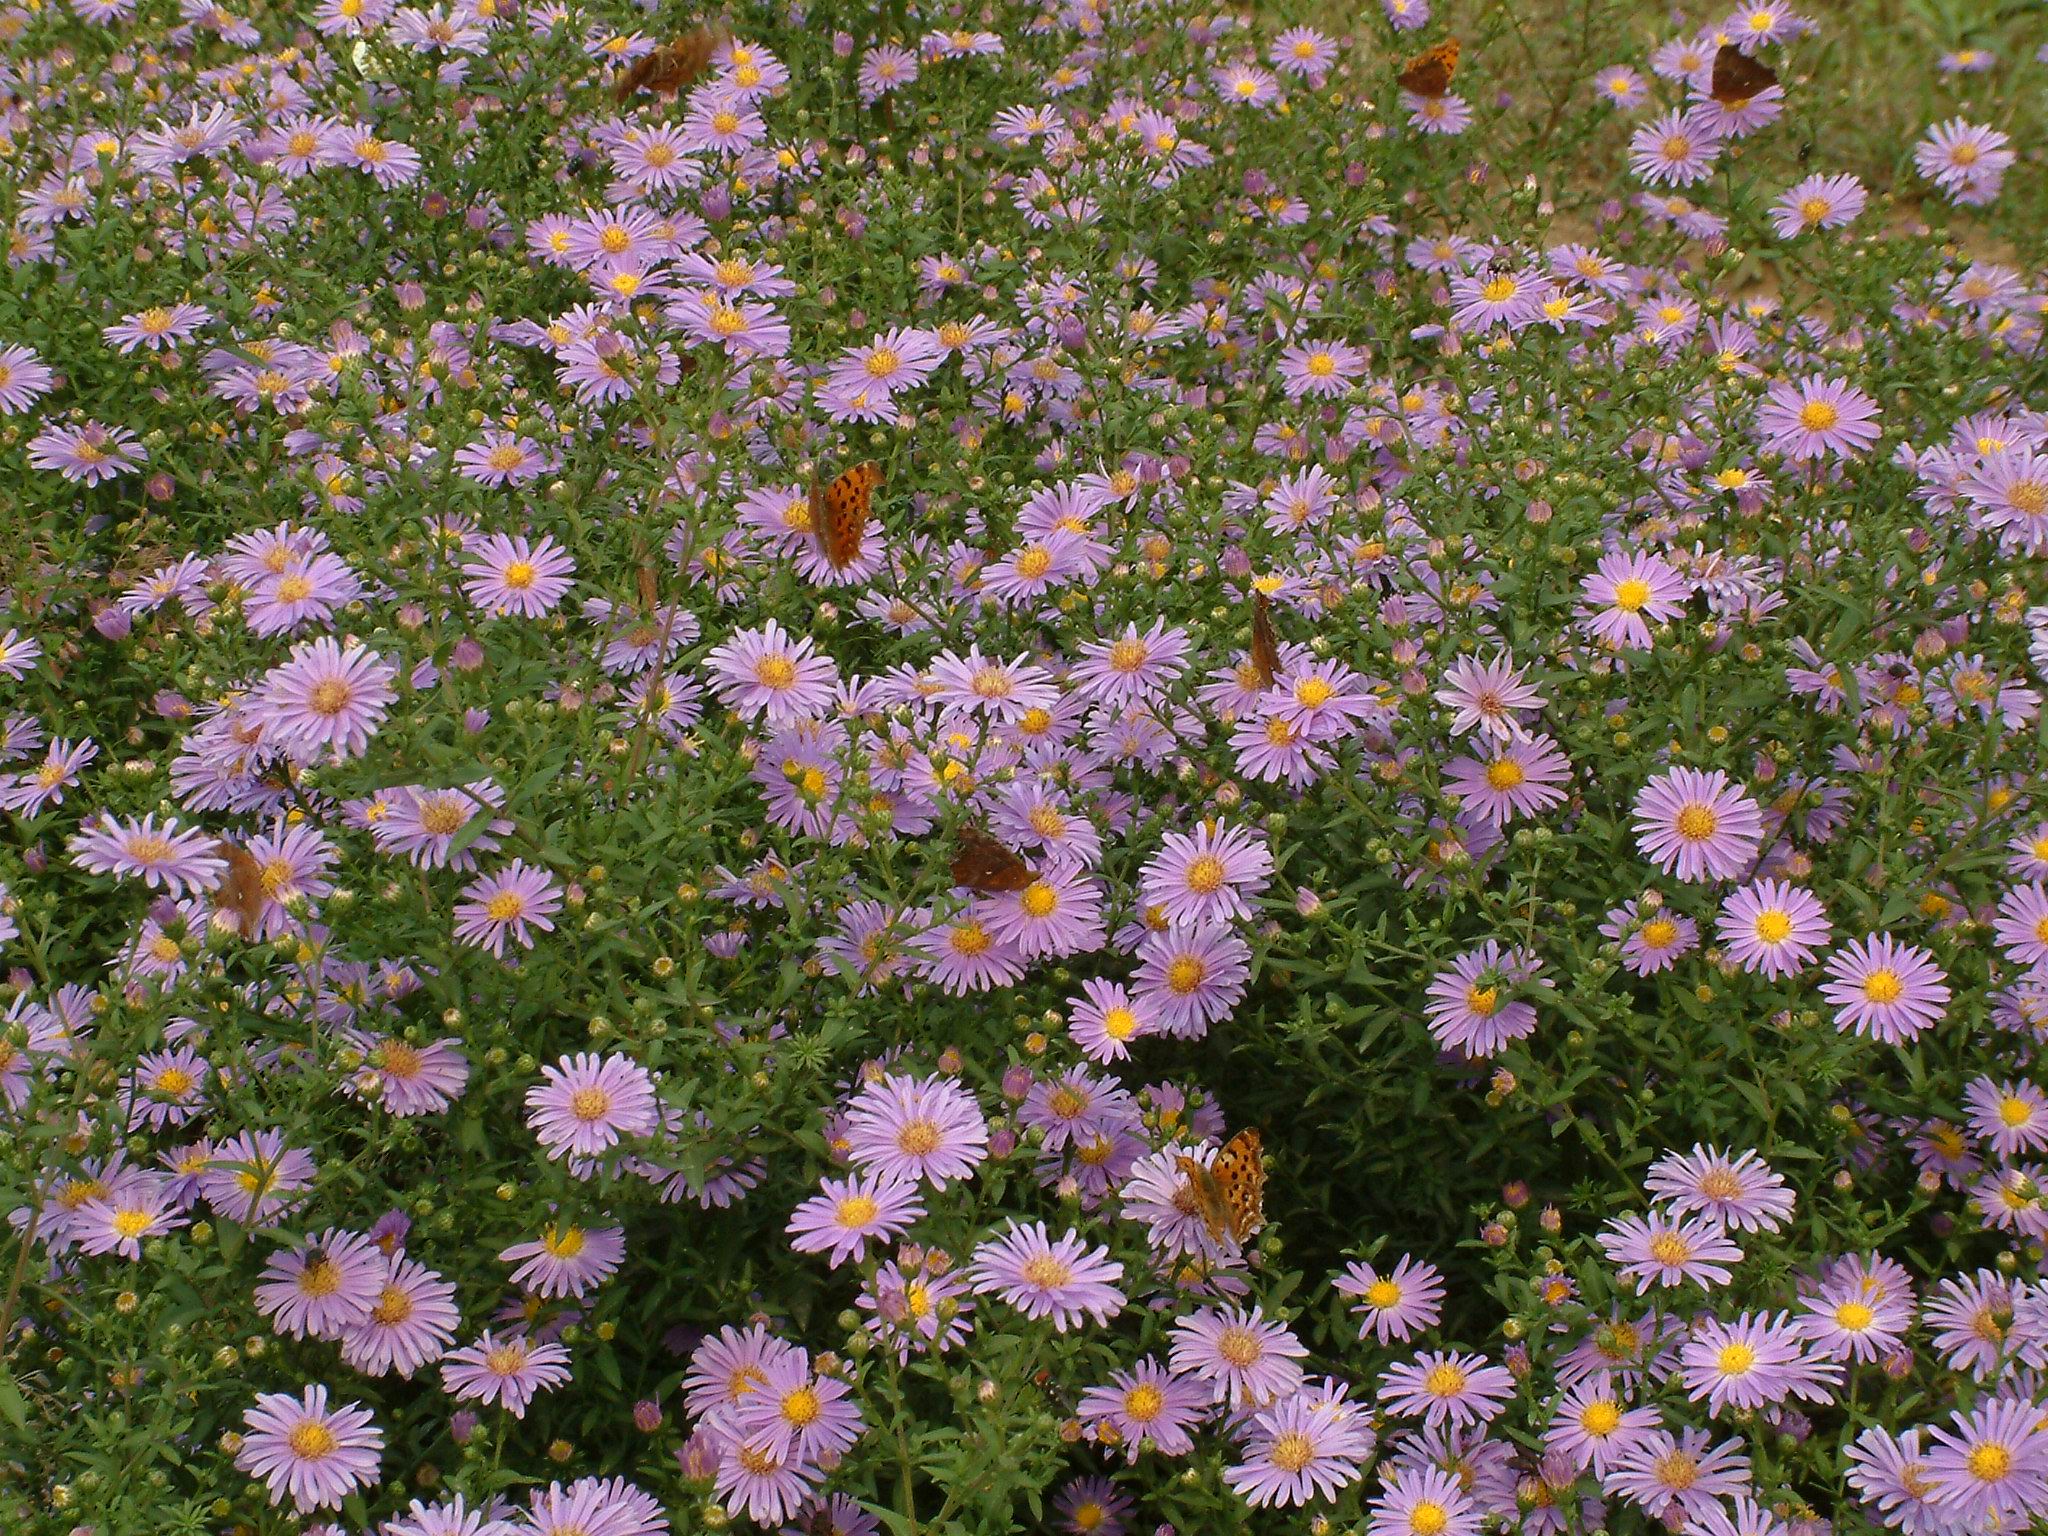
(1265, 644)
(986, 867)
(1240, 1171)
(636, 74)
(839, 513)
(1738, 77)
(1205, 1192)
(241, 889)
(1429, 73)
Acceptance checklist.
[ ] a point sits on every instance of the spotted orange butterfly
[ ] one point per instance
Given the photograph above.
(1429, 73)
(839, 512)
(1230, 1193)
(671, 66)
(986, 867)
(1265, 644)
(1738, 77)
(241, 889)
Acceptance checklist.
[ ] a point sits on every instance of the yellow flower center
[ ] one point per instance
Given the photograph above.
(1630, 595)
(1696, 823)
(312, 1441)
(1047, 1272)
(1990, 1463)
(1883, 986)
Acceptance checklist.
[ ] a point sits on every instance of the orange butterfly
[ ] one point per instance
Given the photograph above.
(1738, 77)
(1429, 74)
(650, 592)
(241, 890)
(670, 67)
(1265, 644)
(1230, 1193)
(839, 512)
(986, 867)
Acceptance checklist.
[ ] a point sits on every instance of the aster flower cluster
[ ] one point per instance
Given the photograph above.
(1072, 766)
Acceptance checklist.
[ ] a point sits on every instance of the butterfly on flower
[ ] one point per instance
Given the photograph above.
(241, 890)
(671, 66)
(986, 867)
(1230, 1193)
(1428, 74)
(839, 512)
(1265, 644)
(1737, 77)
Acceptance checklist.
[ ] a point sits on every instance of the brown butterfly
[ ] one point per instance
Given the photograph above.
(1738, 77)
(839, 512)
(986, 867)
(1265, 644)
(671, 66)
(1230, 1193)
(650, 592)
(241, 890)
(1429, 73)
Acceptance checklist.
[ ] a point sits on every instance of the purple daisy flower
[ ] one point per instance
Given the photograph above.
(1772, 928)
(24, 379)
(917, 1129)
(1757, 1359)
(1043, 1277)
(1592, 1424)
(1678, 1477)
(1884, 989)
(508, 904)
(1697, 825)
(1488, 697)
(1817, 417)
(1245, 1359)
(302, 1449)
(324, 1288)
(793, 1414)
(1627, 593)
(1740, 1191)
(330, 696)
(2021, 924)
(566, 1260)
(1395, 1306)
(1301, 1449)
(1513, 778)
(89, 453)
(410, 1324)
(1423, 1501)
(1818, 202)
(1676, 149)
(1191, 978)
(180, 859)
(768, 673)
(1991, 1464)
(517, 576)
(848, 1214)
(1146, 1405)
(1441, 1386)
(1663, 1250)
(586, 1104)
(252, 1177)
(507, 1371)
(1472, 1006)
(1206, 876)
